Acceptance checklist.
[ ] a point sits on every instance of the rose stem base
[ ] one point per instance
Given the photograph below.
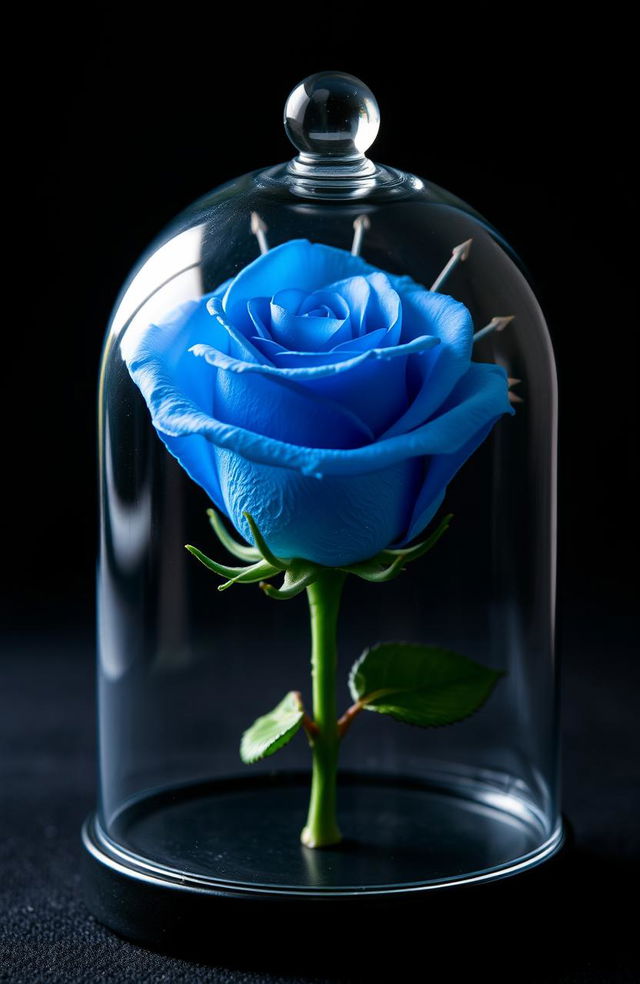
(322, 829)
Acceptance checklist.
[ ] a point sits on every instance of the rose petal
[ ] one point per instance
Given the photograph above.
(442, 467)
(321, 520)
(331, 300)
(291, 298)
(302, 332)
(440, 369)
(364, 343)
(319, 311)
(297, 263)
(356, 292)
(282, 358)
(321, 366)
(482, 394)
(351, 389)
(349, 382)
(374, 303)
(259, 310)
(342, 334)
(271, 350)
(278, 407)
(375, 390)
(384, 308)
(158, 361)
(440, 471)
(337, 308)
(240, 346)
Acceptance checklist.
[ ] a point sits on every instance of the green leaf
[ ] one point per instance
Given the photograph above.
(269, 733)
(422, 685)
(240, 550)
(298, 575)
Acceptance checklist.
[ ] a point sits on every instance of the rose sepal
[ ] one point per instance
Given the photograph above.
(388, 564)
(247, 575)
(298, 572)
(240, 550)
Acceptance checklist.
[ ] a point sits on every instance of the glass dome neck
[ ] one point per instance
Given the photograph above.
(337, 180)
(322, 176)
(342, 168)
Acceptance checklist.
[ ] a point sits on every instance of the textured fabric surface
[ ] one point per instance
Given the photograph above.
(48, 786)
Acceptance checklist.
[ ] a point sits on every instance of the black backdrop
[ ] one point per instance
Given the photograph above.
(124, 119)
(133, 123)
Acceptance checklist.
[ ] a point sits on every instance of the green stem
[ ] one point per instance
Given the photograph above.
(322, 828)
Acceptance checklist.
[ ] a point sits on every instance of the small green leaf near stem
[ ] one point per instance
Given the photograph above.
(423, 685)
(270, 732)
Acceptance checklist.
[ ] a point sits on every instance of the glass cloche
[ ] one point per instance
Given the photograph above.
(331, 381)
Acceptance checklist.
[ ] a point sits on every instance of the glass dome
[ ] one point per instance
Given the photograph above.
(184, 668)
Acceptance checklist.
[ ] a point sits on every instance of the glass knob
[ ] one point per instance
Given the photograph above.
(332, 114)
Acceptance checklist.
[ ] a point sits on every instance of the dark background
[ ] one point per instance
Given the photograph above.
(135, 126)
(132, 121)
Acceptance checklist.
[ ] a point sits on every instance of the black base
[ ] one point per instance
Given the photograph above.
(450, 930)
(210, 922)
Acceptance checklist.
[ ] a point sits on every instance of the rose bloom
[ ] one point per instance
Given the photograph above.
(329, 399)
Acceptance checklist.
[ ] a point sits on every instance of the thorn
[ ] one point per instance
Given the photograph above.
(259, 228)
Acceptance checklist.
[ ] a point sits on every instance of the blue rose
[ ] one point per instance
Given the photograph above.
(329, 399)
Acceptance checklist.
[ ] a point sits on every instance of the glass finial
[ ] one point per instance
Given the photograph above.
(331, 115)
